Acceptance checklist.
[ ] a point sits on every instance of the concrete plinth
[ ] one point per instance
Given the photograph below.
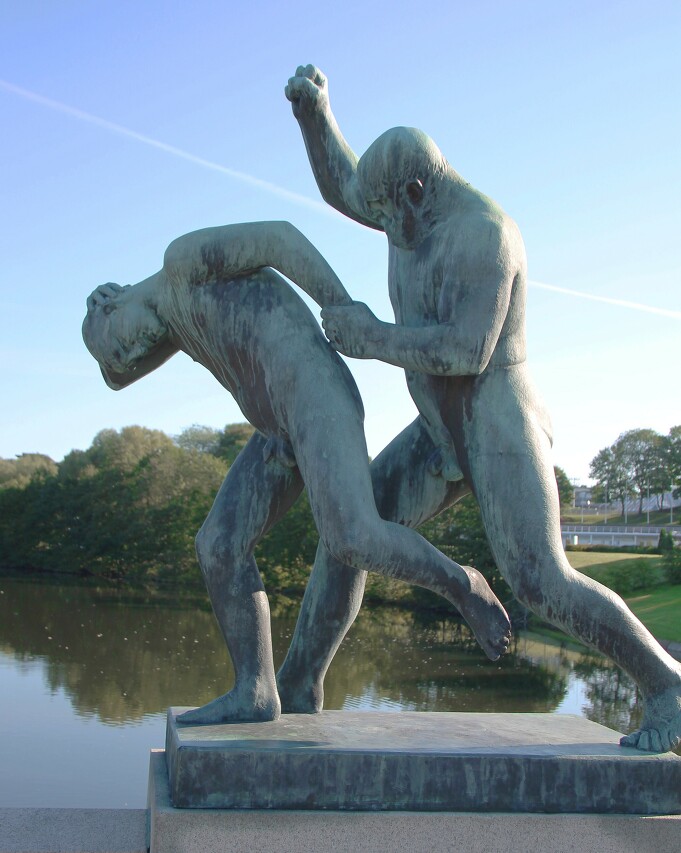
(233, 831)
(340, 760)
(41, 830)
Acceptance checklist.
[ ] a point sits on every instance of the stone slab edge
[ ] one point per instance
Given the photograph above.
(542, 763)
(231, 831)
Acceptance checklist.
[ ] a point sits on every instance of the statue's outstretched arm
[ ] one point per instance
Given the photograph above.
(460, 345)
(225, 252)
(333, 162)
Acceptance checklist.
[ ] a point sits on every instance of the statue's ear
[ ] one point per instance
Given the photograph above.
(415, 191)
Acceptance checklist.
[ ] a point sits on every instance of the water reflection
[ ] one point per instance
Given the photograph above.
(121, 656)
(117, 655)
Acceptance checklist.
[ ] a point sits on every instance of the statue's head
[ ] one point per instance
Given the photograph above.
(121, 328)
(398, 177)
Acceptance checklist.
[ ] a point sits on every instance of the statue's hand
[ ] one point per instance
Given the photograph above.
(103, 294)
(307, 91)
(352, 329)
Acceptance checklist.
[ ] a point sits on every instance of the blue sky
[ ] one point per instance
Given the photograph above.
(126, 124)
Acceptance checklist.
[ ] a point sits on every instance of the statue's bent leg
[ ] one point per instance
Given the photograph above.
(404, 492)
(252, 498)
(330, 605)
(525, 538)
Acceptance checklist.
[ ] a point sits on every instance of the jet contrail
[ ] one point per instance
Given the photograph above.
(58, 106)
(609, 300)
(274, 189)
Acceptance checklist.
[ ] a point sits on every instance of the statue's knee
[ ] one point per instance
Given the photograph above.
(349, 542)
(340, 549)
(526, 585)
(215, 551)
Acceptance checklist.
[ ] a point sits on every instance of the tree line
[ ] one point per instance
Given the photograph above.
(639, 463)
(128, 508)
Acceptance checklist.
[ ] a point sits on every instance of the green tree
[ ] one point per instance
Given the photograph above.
(660, 474)
(674, 458)
(203, 439)
(640, 461)
(232, 441)
(565, 490)
(665, 542)
(225, 444)
(642, 453)
(672, 565)
(129, 507)
(18, 472)
(609, 470)
(125, 449)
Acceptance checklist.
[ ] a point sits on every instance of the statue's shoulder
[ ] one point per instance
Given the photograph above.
(496, 226)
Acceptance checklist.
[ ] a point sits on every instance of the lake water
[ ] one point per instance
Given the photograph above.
(87, 674)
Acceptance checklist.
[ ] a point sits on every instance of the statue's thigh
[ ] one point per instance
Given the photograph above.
(253, 496)
(516, 490)
(404, 489)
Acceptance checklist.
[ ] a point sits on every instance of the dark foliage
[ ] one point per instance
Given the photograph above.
(672, 565)
(128, 508)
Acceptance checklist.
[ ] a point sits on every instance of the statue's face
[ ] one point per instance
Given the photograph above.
(396, 207)
(398, 176)
(121, 331)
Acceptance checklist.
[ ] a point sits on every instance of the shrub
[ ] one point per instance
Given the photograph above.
(626, 576)
(629, 576)
(613, 549)
(672, 565)
(666, 541)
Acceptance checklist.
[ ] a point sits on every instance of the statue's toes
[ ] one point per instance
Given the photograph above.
(631, 740)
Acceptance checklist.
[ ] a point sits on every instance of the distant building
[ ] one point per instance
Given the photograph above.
(583, 496)
(615, 536)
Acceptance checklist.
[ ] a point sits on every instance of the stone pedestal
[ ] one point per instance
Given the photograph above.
(344, 761)
(174, 830)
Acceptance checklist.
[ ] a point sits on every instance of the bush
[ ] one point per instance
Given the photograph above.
(672, 565)
(666, 541)
(626, 576)
(613, 549)
(633, 575)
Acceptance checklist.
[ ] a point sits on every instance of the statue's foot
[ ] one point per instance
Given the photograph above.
(487, 618)
(233, 708)
(300, 697)
(661, 728)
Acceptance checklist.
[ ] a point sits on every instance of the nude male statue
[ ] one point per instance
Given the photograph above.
(457, 283)
(217, 299)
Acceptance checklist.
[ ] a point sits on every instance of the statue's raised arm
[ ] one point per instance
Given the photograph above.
(334, 163)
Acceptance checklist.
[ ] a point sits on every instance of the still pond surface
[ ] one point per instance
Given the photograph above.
(87, 674)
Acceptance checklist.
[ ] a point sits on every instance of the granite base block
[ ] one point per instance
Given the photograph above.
(417, 761)
(61, 830)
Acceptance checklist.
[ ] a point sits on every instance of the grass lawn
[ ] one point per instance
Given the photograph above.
(657, 606)
(660, 610)
(613, 569)
(581, 560)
